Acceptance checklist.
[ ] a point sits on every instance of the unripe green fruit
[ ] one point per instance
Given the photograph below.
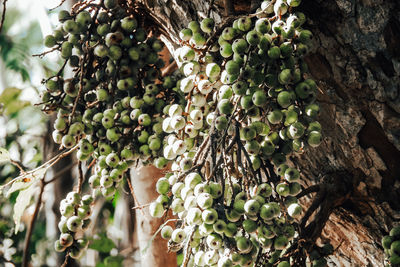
(66, 50)
(285, 76)
(58, 247)
(274, 52)
(253, 37)
(305, 36)
(284, 99)
(280, 242)
(49, 41)
(284, 264)
(275, 116)
(186, 34)
(232, 67)
(249, 226)
(314, 138)
(294, 210)
(239, 46)
(240, 88)
(207, 25)
(225, 107)
(68, 141)
(178, 235)
(246, 102)
(283, 189)
(243, 244)
(292, 175)
(74, 223)
(394, 259)
(244, 24)
(259, 98)
(263, 25)
(156, 210)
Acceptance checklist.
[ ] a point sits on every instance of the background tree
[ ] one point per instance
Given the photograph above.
(355, 62)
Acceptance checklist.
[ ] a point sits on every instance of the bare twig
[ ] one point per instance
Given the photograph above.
(3, 15)
(47, 52)
(60, 4)
(308, 190)
(81, 177)
(31, 225)
(128, 180)
(187, 248)
(65, 260)
(60, 173)
(18, 165)
(141, 207)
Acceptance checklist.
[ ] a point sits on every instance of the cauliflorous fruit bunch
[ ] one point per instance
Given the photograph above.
(110, 108)
(250, 104)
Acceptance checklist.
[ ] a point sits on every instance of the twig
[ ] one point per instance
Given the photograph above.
(60, 173)
(81, 177)
(142, 206)
(46, 52)
(60, 4)
(47, 165)
(128, 179)
(65, 260)
(31, 225)
(308, 190)
(187, 248)
(80, 89)
(3, 16)
(18, 165)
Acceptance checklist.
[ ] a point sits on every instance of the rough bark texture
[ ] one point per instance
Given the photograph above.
(355, 61)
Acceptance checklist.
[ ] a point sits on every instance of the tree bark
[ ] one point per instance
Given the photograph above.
(356, 62)
(153, 253)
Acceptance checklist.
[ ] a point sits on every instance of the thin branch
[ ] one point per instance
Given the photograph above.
(47, 164)
(46, 52)
(81, 177)
(128, 179)
(18, 165)
(31, 225)
(186, 256)
(308, 190)
(60, 173)
(60, 4)
(141, 207)
(3, 15)
(65, 260)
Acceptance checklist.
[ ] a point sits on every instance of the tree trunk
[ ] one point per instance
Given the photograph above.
(153, 252)
(355, 61)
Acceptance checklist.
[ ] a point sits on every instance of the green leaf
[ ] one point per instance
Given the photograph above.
(22, 202)
(9, 95)
(27, 180)
(102, 244)
(4, 155)
(113, 261)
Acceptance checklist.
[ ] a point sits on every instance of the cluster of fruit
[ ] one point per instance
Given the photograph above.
(75, 212)
(391, 245)
(111, 108)
(252, 90)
